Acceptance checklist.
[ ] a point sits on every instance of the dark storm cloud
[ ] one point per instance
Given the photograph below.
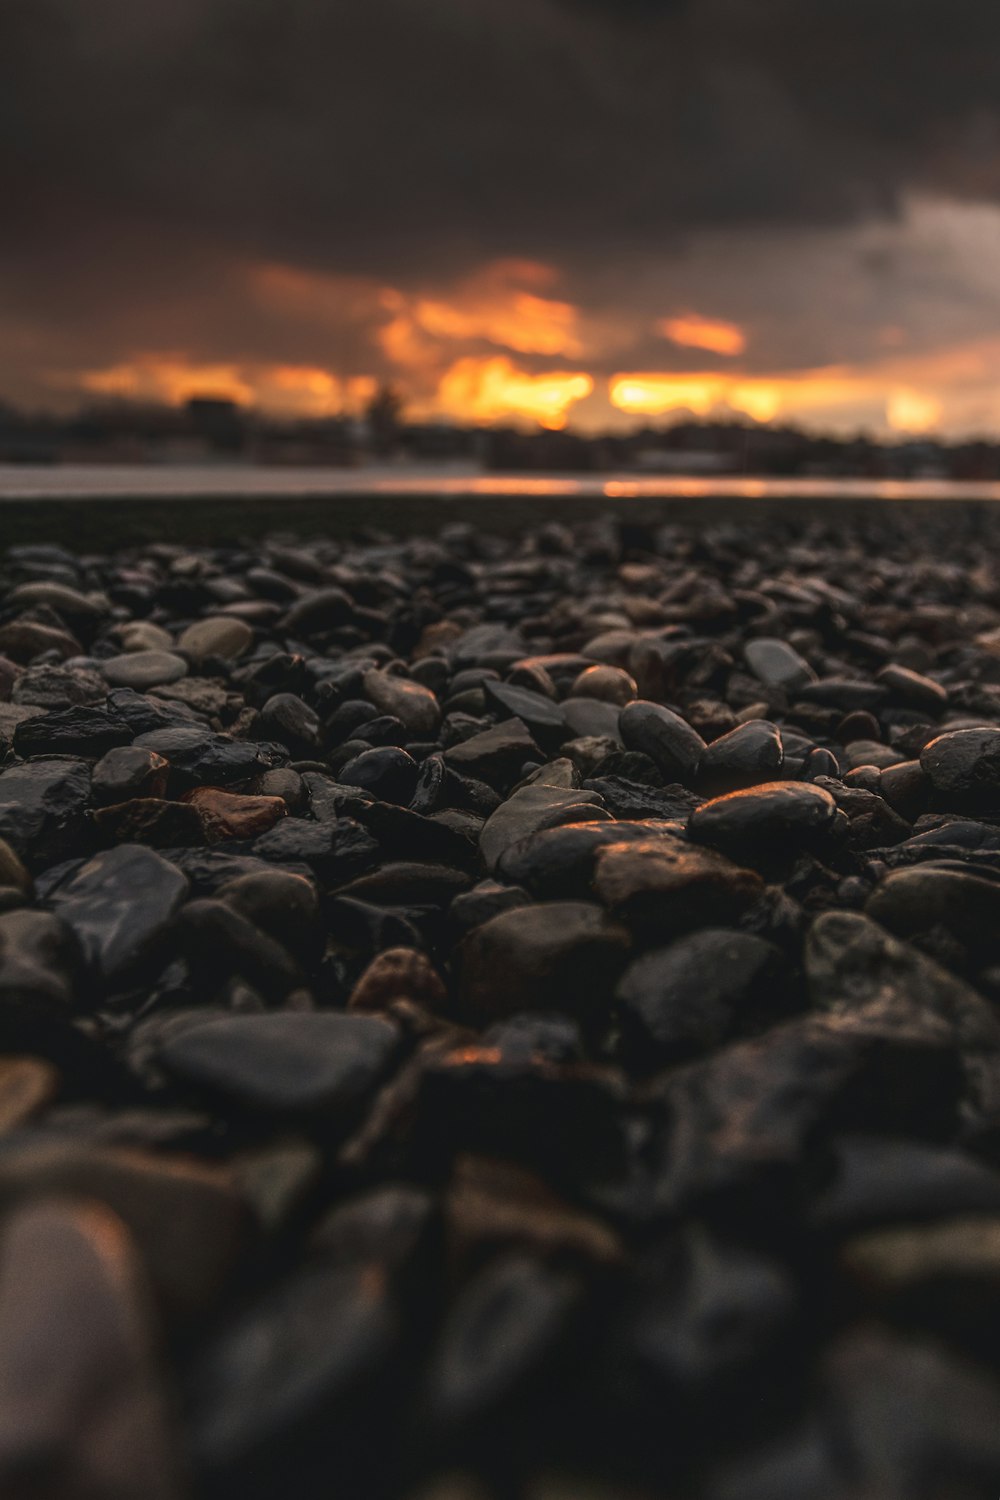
(394, 136)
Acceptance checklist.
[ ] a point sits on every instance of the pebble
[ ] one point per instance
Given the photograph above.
(745, 757)
(559, 955)
(677, 1002)
(668, 740)
(84, 1410)
(143, 669)
(963, 766)
(412, 704)
(222, 635)
(120, 905)
(766, 821)
(777, 665)
(228, 815)
(310, 1066)
(129, 771)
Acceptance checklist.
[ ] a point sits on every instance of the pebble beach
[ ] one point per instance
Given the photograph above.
(503, 1017)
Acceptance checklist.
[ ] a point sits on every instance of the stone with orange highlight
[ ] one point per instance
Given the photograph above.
(229, 815)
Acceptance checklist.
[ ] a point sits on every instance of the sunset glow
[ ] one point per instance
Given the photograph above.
(694, 332)
(284, 390)
(490, 390)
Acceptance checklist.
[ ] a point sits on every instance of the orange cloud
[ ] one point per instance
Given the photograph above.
(487, 390)
(491, 307)
(169, 378)
(284, 390)
(695, 332)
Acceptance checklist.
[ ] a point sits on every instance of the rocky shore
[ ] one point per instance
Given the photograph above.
(502, 1018)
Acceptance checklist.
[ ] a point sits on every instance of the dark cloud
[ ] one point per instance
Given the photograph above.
(392, 136)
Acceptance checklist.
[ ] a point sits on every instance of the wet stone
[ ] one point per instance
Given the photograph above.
(321, 1067)
(531, 809)
(388, 773)
(496, 755)
(560, 955)
(766, 822)
(87, 732)
(677, 1002)
(777, 665)
(228, 815)
(129, 771)
(412, 704)
(120, 906)
(963, 767)
(143, 669)
(664, 885)
(222, 636)
(665, 737)
(149, 820)
(84, 1412)
(43, 807)
(745, 757)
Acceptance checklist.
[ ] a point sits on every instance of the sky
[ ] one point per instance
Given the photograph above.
(583, 212)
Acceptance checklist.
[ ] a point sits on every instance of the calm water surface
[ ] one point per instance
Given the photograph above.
(69, 482)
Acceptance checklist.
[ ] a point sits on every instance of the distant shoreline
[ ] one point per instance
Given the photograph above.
(188, 514)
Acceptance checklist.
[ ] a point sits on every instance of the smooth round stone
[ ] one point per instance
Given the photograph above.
(12, 871)
(913, 902)
(777, 665)
(746, 756)
(543, 717)
(144, 669)
(871, 753)
(913, 689)
(496, 755)
(532, 808)
(665, 885)
(964, 766)
(845, 693)
(388, 772)
(287, 1063)
(611, 648)
(285, 783)
(591, 718)
(290, 721)
(398, 974)
(318, 611)
(39, 961)
(563, 955)
(414, 705)
(607, 684)
(222, 635)
(766, 821)
(69, 603)
(677, 1002)
(82, 1408)
(906, 788)
(143, 635)
(27, 1084)
(280, 903)
(129, 771)
(664, 736)
(187, 1220)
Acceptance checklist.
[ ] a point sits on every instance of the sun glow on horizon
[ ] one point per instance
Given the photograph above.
(489, 390)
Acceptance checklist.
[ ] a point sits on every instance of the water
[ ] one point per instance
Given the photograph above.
(82, 482)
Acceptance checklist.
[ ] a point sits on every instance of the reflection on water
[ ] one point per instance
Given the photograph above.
(22, 482)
